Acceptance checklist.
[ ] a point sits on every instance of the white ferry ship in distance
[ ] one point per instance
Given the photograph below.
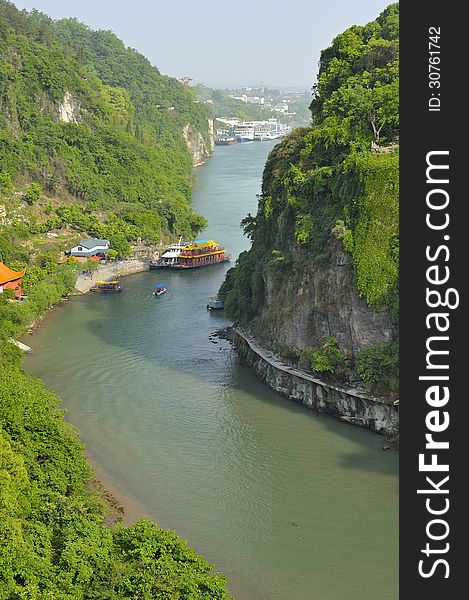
(244, 133)
(170, 256)
(263, 135)
(266, 130)
(261, 132)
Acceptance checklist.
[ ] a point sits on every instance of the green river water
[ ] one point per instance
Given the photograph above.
(289, 504)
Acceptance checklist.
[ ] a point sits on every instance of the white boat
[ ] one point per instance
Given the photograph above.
(169, 257)
(263, 135)
(159, 289)
(261, 132)
(244, 133)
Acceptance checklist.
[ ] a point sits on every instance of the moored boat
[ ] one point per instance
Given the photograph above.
(201, 253)
(169, 256)
(226, 141)
(262, 136)
(215, 303)
(111, 285)
(244, 133)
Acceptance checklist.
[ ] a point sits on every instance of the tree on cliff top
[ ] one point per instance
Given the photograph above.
(358, 81)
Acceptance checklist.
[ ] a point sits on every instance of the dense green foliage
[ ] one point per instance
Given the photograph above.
(125, 224)
(90, 142)
(33, 193)
(336, 180)
(326, 358)
(372, 232)
(357, 94)
(54, 542)
(162, 106)
(84, 117)
(379, 366)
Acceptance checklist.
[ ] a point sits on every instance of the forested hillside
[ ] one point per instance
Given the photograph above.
(320, 284)
(91, 123)
(54, 540)
(90, 143)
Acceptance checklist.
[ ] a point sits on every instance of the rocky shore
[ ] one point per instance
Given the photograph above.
(348, 404)
(123, 267)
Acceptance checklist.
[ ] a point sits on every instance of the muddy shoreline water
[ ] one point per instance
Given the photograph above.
(120, 506)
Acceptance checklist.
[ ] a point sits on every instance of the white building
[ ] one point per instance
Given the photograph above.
(249, 99)
(91, 247)
(242, 98)
(255, 100)
(232, 121)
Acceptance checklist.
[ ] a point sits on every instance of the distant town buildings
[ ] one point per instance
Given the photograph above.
(255, 99)
(249, 99)
(289, 106)
(245, 131)
(232, 121)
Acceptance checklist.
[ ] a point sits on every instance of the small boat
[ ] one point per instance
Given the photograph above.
(215, 304)
(159, 289)
(263, 135)
(226, 141)
(112, 285)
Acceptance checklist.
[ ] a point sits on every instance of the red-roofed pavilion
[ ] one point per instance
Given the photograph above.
(11, 280)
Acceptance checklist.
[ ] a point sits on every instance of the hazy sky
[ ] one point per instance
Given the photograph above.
(223, 44)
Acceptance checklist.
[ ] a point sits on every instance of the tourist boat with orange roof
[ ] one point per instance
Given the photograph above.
(201, 253)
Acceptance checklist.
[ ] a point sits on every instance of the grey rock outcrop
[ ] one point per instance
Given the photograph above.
(320, 302)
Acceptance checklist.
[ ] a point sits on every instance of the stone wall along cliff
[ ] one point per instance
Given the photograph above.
(349, 404)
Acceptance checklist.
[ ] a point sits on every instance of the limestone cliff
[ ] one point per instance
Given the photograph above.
(314, 289)
(316, 302)
(348, 403)
(69, 109)
(200, 146)
(99, 131)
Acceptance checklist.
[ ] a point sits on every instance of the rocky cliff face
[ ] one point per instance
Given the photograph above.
(312, 288)
(199, 147)
(69, 109)
(300, 311)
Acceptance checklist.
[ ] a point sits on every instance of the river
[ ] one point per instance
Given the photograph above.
(289, 504)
